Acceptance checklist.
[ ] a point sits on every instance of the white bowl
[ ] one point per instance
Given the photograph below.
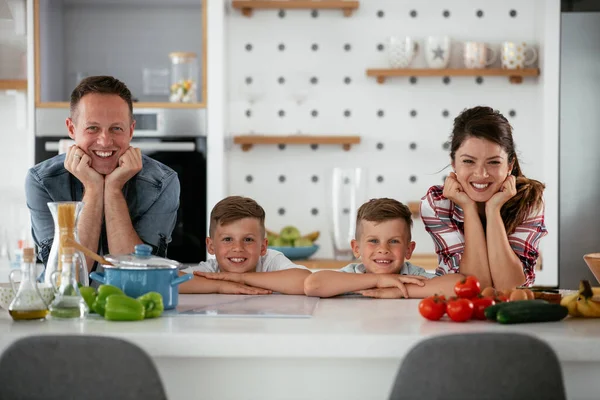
(7, 294)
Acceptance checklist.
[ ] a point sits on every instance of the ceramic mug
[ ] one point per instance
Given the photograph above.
(401, 51)
(437, 51)
(478, 55)
(513, 55)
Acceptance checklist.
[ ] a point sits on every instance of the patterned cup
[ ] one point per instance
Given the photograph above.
(478, 55)
(513, 55)
(437, 51)
(401, 51)
(7, 294)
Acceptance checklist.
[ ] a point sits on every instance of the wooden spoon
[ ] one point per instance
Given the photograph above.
(68, 241)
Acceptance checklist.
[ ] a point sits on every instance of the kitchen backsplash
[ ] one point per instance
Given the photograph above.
(304, 72)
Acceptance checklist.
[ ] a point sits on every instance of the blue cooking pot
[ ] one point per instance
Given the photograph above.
(141, 272)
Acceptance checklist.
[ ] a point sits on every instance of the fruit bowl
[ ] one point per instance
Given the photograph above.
(593, 262)
(296, 253)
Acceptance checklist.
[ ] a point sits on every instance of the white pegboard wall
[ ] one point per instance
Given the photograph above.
(307, 74)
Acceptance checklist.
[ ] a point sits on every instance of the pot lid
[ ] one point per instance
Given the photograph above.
(141, 258)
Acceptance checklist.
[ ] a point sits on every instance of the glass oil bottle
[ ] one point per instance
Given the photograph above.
(28, 303)
(68, 302)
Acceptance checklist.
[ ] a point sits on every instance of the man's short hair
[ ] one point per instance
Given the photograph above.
(101, 85)
(234, 208)
(383, 209)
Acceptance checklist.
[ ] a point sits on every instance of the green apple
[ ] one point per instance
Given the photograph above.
(303, 242)
(280, 242)
(289, 233)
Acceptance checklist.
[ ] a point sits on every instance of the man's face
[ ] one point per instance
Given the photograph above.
(102, 127)
(238, 245)
(383, 246)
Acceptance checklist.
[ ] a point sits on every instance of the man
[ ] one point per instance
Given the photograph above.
(128, 197)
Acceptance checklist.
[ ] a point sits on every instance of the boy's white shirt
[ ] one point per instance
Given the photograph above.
(272, 261)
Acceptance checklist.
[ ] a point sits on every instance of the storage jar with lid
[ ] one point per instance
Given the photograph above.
(184, 77)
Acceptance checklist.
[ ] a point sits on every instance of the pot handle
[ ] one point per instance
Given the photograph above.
(181, 279)
(99, 277)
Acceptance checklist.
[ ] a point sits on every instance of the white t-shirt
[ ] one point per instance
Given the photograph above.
(272, 261)
(407, 269)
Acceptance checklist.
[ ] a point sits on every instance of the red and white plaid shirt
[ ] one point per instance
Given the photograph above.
(444, 221)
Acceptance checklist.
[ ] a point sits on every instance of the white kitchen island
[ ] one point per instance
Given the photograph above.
(350, 349)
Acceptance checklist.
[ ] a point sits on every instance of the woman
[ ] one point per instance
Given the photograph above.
(488, 218)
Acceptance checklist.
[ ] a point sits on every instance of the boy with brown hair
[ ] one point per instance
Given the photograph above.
(243, 264)
(382, 243)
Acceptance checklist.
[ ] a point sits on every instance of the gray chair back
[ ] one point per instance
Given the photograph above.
(77, 367)
(480, 366)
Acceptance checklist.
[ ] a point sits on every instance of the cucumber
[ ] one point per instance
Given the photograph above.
(492, 311)
(535, 312)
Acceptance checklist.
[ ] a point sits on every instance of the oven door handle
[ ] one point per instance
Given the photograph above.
(165, 147)
(145, 146)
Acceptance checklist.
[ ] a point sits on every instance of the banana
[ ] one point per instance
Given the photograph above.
(588, 308)
(585, 303)
(312, 236)
(570, 302)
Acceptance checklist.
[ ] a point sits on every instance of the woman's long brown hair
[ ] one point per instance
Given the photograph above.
(487, 123)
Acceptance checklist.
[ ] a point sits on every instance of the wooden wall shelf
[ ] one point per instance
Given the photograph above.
(415, 208)
(247, 141)
(13, 84)
(248, 6)
(514, 75)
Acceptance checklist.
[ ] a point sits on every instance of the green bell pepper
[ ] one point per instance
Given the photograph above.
(119, 307)
(104, 291)
(153, 304)
(89, 295)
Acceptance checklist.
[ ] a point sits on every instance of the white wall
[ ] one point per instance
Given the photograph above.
(412, 154)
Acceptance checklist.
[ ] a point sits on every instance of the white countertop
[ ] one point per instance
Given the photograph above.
(339, 328)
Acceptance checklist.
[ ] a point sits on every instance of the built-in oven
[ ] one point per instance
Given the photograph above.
(175, 137)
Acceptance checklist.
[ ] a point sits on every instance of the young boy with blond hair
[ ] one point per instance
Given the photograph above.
(382, 243)
(242, 264)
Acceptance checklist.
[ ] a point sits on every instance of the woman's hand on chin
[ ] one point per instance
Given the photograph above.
(507, 191)
(454, 191)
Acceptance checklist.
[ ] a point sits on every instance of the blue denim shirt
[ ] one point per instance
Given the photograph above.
(152, 197)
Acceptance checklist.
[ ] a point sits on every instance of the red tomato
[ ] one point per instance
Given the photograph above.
(479, 306)
(467, 288)
(433, 308)
(459, 310)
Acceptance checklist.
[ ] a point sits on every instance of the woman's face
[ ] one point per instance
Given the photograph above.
(481, 167)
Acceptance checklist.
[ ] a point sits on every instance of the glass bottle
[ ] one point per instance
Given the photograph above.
(68, 302)
(184, 77)
(28, 303)
(348, 193)
(65, 215)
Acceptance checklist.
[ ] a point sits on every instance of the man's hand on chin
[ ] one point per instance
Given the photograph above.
(78, 163)
(130, 163)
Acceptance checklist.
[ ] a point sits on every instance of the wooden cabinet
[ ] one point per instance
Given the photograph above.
(128, 39)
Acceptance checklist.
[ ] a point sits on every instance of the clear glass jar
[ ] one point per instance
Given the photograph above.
(68, 302)
(65, 215)
(184, 77)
